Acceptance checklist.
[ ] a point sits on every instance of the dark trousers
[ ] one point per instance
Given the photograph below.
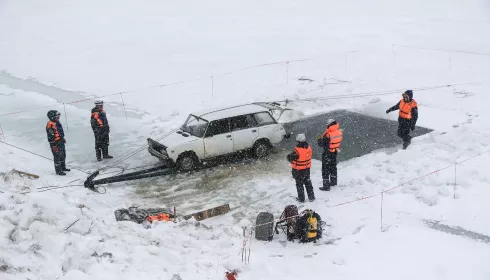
(59, 158)
(302, 178)
(404, 129)
(329, 168)
(101, 145)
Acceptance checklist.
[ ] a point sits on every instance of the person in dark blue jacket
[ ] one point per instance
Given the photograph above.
(56, 139)
(100, 127)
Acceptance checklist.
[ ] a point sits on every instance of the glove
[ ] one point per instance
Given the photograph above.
(387, 111)
(55, 149)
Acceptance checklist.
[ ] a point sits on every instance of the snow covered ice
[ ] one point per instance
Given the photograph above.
(57, 52)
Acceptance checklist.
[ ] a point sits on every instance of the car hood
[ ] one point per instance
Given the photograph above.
(178, 138)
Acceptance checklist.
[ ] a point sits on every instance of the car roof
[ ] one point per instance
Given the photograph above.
(229, 112)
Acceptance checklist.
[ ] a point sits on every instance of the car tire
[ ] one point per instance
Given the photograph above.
(261, 149)
(187, 162)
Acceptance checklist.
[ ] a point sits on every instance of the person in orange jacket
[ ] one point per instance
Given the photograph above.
(101, 129)
(300, 160)
(330, 142)
(56, 139)
(407, 116)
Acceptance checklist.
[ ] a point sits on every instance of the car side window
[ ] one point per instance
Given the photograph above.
(242, 122)
(264, 118)
(218, 127)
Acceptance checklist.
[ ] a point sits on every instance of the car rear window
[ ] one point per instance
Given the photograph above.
(264, 118)
(242, 122)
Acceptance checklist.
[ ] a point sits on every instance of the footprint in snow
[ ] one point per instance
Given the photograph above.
(338, 261)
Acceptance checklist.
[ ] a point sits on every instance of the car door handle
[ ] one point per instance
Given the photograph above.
(228, 136)
(255, 130)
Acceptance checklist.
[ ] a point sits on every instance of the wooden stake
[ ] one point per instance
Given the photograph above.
(32, 176)
(209, 213)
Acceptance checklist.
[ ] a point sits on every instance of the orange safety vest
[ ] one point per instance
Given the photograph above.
(406, 108)
(304, 160)
(335, 135)
(52, 125)
(95, 115)
(159, 217)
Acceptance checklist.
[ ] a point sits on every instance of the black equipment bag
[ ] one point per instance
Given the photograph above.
(288, 222)
(264, 226)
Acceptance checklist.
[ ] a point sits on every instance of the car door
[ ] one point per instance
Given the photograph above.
(244, 132)
(268, 127)
(218, 139)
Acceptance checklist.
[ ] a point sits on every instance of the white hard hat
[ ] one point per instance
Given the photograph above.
(301, 138)
(99, 102)
(330, 121)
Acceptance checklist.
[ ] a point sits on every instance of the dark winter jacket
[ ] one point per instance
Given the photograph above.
(293, 155)
(51, 134)
(96, 127)
(415, 112)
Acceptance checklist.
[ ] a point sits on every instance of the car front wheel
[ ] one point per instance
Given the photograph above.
(187, 162)
(261, 149)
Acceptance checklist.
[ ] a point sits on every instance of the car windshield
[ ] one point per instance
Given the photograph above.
(195, 126)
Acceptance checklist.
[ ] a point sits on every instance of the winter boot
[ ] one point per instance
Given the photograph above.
(98, 154)
(405, 144)
(58, 169)
(63, 167)
(326, 185)
(105, 152)
(299, 200)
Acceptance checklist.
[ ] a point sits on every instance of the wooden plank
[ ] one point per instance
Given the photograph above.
(209, 213)
(26, 174)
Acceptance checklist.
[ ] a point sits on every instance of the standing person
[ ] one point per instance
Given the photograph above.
(56, 139)
(330, 142)
(101, 129)
(300, 160)
(407, 116)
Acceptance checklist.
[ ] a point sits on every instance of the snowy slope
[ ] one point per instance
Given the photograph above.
(56, 52)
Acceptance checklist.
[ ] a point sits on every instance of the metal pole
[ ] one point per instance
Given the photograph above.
(449, 60)
(66, 118)
(124, 106)
(382, 209)
(345, 63)
(455, 172)
(3, 134)
(287, 72)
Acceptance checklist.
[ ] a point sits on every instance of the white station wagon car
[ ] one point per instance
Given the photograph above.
(208, 135)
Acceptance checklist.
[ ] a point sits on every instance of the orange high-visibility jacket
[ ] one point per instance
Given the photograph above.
(335, 135)
(95, 115)
(406, 108)
(51, 126)
(304, 159)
